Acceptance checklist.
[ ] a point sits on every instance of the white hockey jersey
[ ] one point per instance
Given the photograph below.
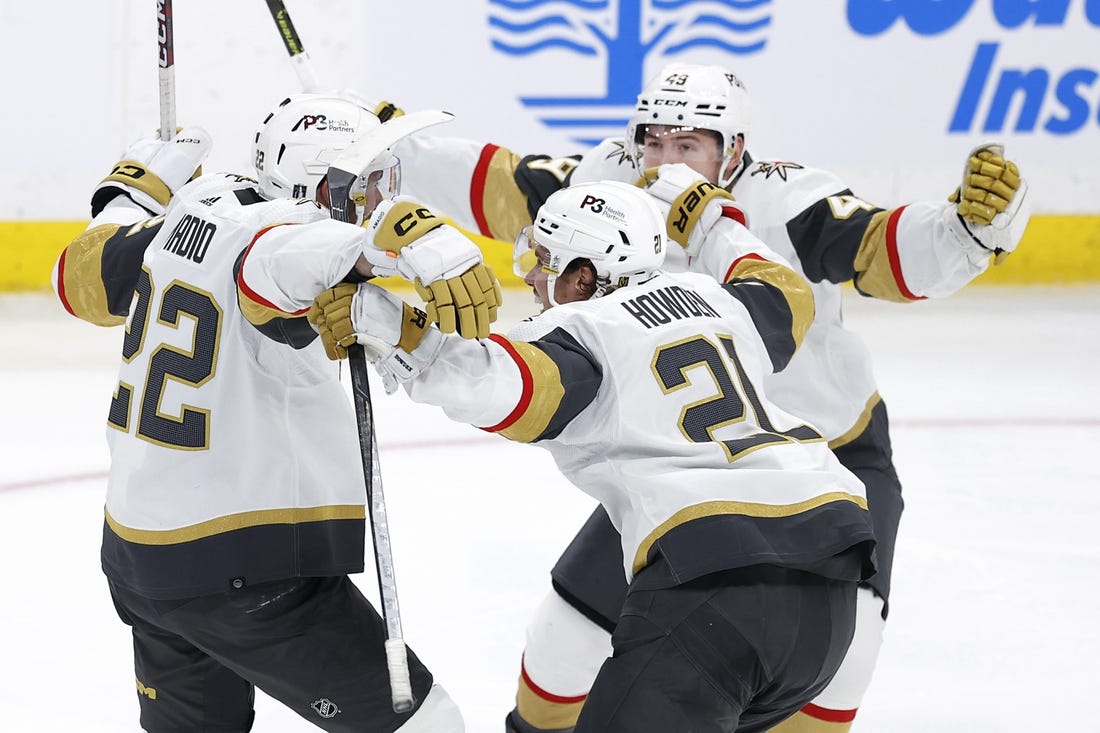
(806, 215)
(234, 452)
(650, 400)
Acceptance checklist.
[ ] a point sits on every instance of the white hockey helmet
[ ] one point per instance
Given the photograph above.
(692, 97)
(616, 226)
(296, 143)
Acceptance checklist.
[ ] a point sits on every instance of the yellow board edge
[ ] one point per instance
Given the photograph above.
(1055, 250)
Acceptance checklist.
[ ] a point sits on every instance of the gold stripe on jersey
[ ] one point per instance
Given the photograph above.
(503, 205)
(81, 277)
(876, 275)
(135, 175)
(543, 393)
(743, 508)
(795, 289)
(231, 522)
(860, 425)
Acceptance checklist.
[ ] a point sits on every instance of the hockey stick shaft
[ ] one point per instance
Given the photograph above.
(396, 658)
(167, 69)
(299, 59)
(397, 661)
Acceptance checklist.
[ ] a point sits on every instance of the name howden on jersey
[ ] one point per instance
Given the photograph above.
(668, 304)
(191, 238)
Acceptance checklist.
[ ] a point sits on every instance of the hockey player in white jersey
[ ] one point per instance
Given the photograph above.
(699, 115)
(235, 498)
(743, 537)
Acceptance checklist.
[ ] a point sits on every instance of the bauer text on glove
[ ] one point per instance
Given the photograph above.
(694, 204)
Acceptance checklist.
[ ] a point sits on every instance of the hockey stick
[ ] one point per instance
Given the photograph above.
(342, 175)
(397, 661)
(299, 59)
(167, 71)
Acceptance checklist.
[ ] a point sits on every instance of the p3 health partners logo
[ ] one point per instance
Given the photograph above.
(622, 34)
(995, 97)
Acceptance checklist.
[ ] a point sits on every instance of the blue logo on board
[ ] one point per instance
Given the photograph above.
(998, 97)
(622, 34)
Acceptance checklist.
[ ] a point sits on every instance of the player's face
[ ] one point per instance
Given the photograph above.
(538, 278)
(700, 150)
(373, 195)
(566, 289)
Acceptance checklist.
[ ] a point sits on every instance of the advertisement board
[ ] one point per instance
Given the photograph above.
(889, 94)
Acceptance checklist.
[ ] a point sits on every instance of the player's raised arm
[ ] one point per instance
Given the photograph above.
(484, 188)
(923, 249)
(95, 275)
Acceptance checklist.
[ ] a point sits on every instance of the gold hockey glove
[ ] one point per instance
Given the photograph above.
(461, 293)
(992, 208)
(989, 184)
(334, 330)
(341, 316)
(466, 304)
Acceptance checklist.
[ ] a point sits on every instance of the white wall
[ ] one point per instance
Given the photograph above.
(79, 82)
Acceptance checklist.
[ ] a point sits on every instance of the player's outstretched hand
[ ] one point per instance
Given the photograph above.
(406, 239)
(466, 304)
(989, 184)
(992, 200)
(152, 170)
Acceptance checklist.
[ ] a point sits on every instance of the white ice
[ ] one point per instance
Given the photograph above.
(996, 417)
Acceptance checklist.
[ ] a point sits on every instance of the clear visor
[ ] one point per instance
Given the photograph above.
(524, 254)
(380, 182)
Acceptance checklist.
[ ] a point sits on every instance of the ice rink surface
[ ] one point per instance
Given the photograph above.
(995, 405)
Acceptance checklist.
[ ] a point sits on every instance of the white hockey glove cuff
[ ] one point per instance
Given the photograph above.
(408, 240)
(152, 170)
(992, 208)
(395, 336)
(694, 204)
